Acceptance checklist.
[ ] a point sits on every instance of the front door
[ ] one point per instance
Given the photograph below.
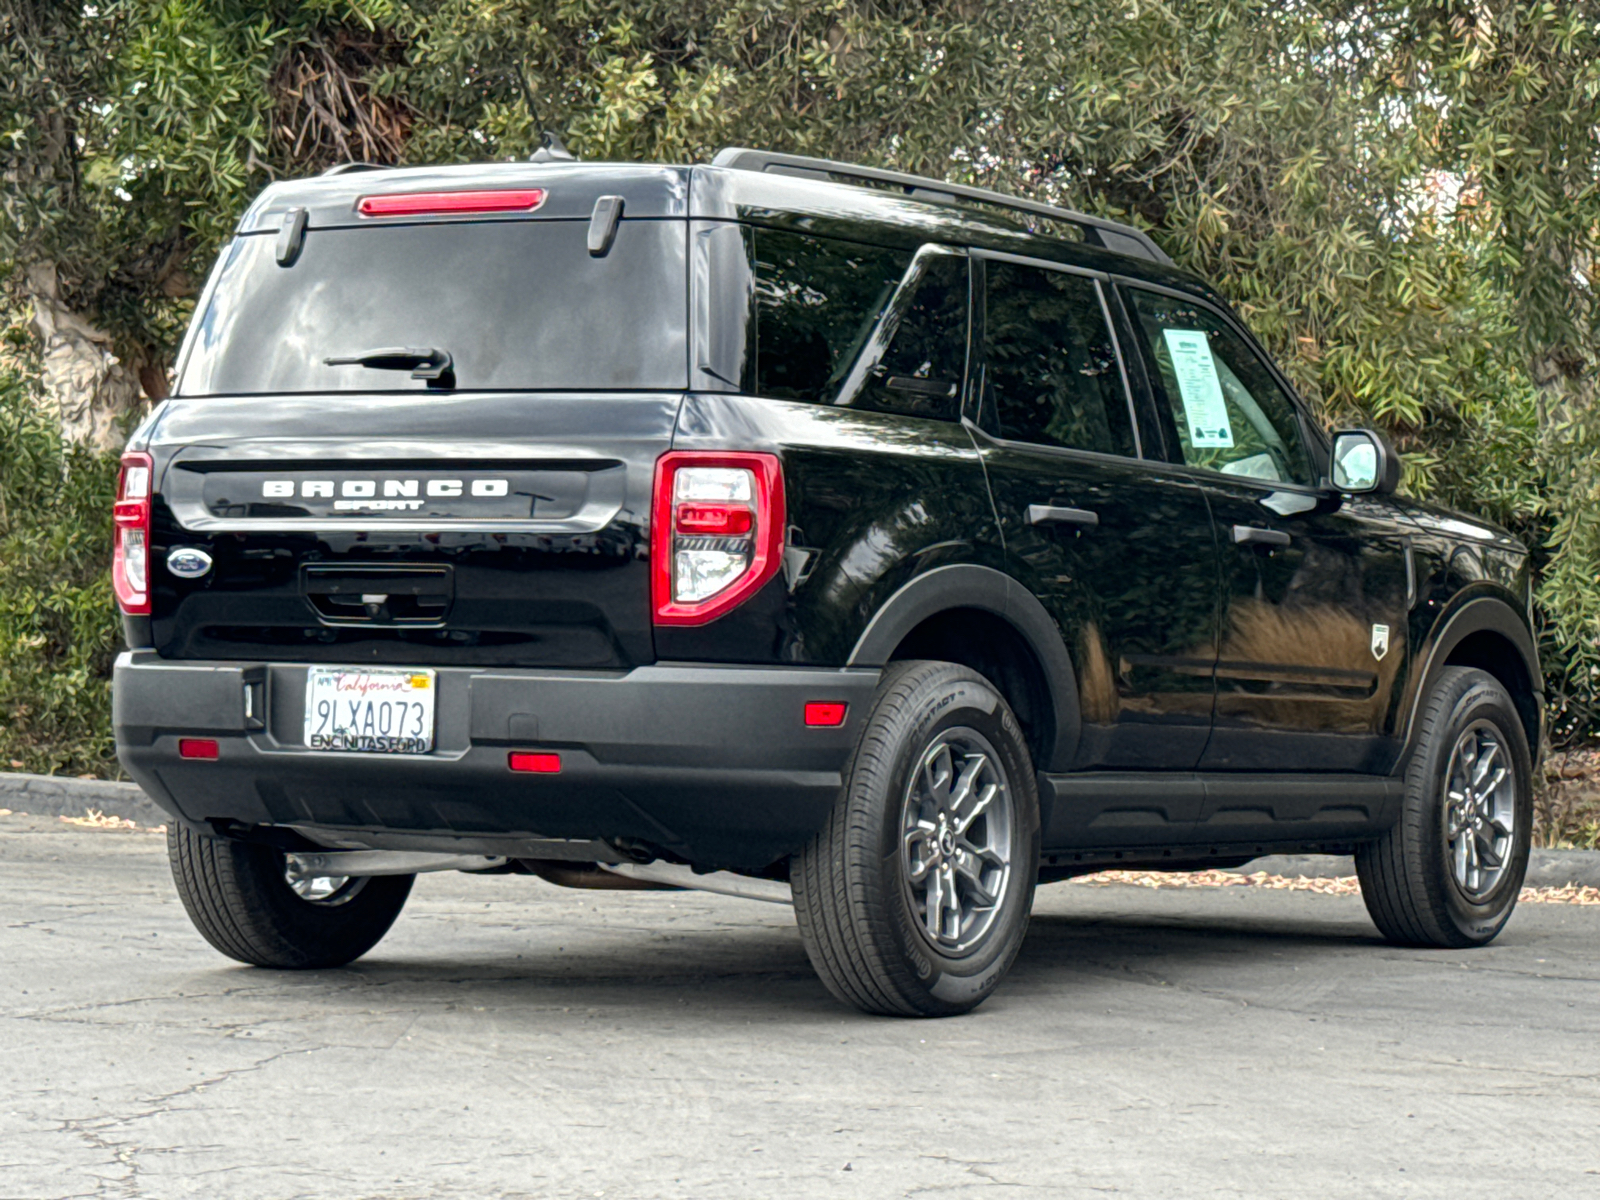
(1119, 549)
(1314, 585)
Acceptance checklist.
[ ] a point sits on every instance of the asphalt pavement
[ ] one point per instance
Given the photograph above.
(510, 1038)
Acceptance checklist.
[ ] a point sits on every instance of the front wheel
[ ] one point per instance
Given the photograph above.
(1450, 871)
(914, 898)
(248, 903)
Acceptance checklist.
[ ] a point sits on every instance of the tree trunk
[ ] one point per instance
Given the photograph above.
(86, 385)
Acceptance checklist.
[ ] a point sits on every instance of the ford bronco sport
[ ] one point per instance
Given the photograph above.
(787, 528)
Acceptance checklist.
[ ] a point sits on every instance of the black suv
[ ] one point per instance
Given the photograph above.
(783, 527)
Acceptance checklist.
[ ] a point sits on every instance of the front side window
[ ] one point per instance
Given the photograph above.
(1051, 375)
(817, 301)
(1230, 412)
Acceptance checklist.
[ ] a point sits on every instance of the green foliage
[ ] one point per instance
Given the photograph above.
(57, 630)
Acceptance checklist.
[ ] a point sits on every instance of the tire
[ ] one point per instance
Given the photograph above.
(1418, 880)
(239, 898)
(863, 919)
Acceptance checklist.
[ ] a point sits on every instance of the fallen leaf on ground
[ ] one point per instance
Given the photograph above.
(1346, 885)
(95, 819)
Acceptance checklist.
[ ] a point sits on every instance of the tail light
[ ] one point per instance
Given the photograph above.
(716, 532)
(130, 553)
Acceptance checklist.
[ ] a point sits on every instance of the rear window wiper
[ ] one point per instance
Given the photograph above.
(424, 362)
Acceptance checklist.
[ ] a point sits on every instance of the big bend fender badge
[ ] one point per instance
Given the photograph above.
(1380, 641)
(188, 563)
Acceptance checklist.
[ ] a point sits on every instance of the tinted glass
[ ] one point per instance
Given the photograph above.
(817, 301)
(1051, 375)
(921, 371)
(517, 304)
(1231, 414)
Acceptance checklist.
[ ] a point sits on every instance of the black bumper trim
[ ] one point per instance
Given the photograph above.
(713, 763)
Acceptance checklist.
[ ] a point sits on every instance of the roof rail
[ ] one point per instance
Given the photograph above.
(350, 168)
(1097, 231)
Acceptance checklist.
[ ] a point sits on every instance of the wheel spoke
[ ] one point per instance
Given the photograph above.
(971, 869)
(1482, 762)
(986, 854)
(961, 793)
(937, 775)
(976, 809)
(1486, 853)
(932, 914)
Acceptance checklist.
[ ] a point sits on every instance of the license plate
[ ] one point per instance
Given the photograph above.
(380, 712)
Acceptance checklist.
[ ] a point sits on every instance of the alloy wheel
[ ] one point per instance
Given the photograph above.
(956, 839)
(1480, 810)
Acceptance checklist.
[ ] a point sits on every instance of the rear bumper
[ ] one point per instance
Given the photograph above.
(713, 763)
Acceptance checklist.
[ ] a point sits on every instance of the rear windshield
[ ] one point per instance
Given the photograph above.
(516, 305)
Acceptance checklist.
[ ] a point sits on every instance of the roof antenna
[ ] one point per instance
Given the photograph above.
(551, 150)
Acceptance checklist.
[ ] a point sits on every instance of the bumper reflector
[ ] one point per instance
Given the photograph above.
(825, 713)
(205, 748)
(538, 764)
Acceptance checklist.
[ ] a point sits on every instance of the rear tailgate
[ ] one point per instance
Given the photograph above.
(456, 529)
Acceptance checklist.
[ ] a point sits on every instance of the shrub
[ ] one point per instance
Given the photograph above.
(59, 629)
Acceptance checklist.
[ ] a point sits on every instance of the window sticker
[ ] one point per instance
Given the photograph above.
(1200, 388)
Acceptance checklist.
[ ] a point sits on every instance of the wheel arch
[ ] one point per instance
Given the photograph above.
(982, 617)
(1487, 633)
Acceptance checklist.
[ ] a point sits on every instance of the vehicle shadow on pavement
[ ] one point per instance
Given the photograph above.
(761, 971)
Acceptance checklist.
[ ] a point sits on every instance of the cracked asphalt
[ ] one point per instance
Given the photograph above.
(512, 1039)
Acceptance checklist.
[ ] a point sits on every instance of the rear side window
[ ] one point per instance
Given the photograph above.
(1051, 375)
(516, 305)
(816, 303)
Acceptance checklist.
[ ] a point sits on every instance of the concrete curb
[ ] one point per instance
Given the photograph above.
(1546, 868)
(60, 796)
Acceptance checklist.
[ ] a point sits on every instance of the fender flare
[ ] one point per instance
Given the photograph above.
(967, 585)
(1481, 614)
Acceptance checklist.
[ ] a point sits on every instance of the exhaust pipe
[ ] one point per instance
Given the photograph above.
(354, 864)
(723, 883)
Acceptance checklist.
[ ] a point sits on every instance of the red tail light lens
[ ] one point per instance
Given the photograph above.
(538, 764)
(203, 748)
(130, 552)
(716, 532)
(413, 204)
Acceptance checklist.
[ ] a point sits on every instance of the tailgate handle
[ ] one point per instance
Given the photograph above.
(379, 595)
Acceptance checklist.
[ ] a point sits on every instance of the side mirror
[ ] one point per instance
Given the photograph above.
(1364, 462)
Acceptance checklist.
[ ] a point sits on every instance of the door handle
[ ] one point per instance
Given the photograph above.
(1262, 537)
(1050, 514)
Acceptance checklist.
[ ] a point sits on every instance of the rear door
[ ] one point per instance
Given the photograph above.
(1118, 548)
(1314, 585)
(358, 514)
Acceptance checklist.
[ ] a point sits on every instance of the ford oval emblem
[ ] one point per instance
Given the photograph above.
(188, 563)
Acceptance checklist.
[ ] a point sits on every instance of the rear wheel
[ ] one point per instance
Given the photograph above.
(248, 902)
(914, 898)
(1450, 871)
